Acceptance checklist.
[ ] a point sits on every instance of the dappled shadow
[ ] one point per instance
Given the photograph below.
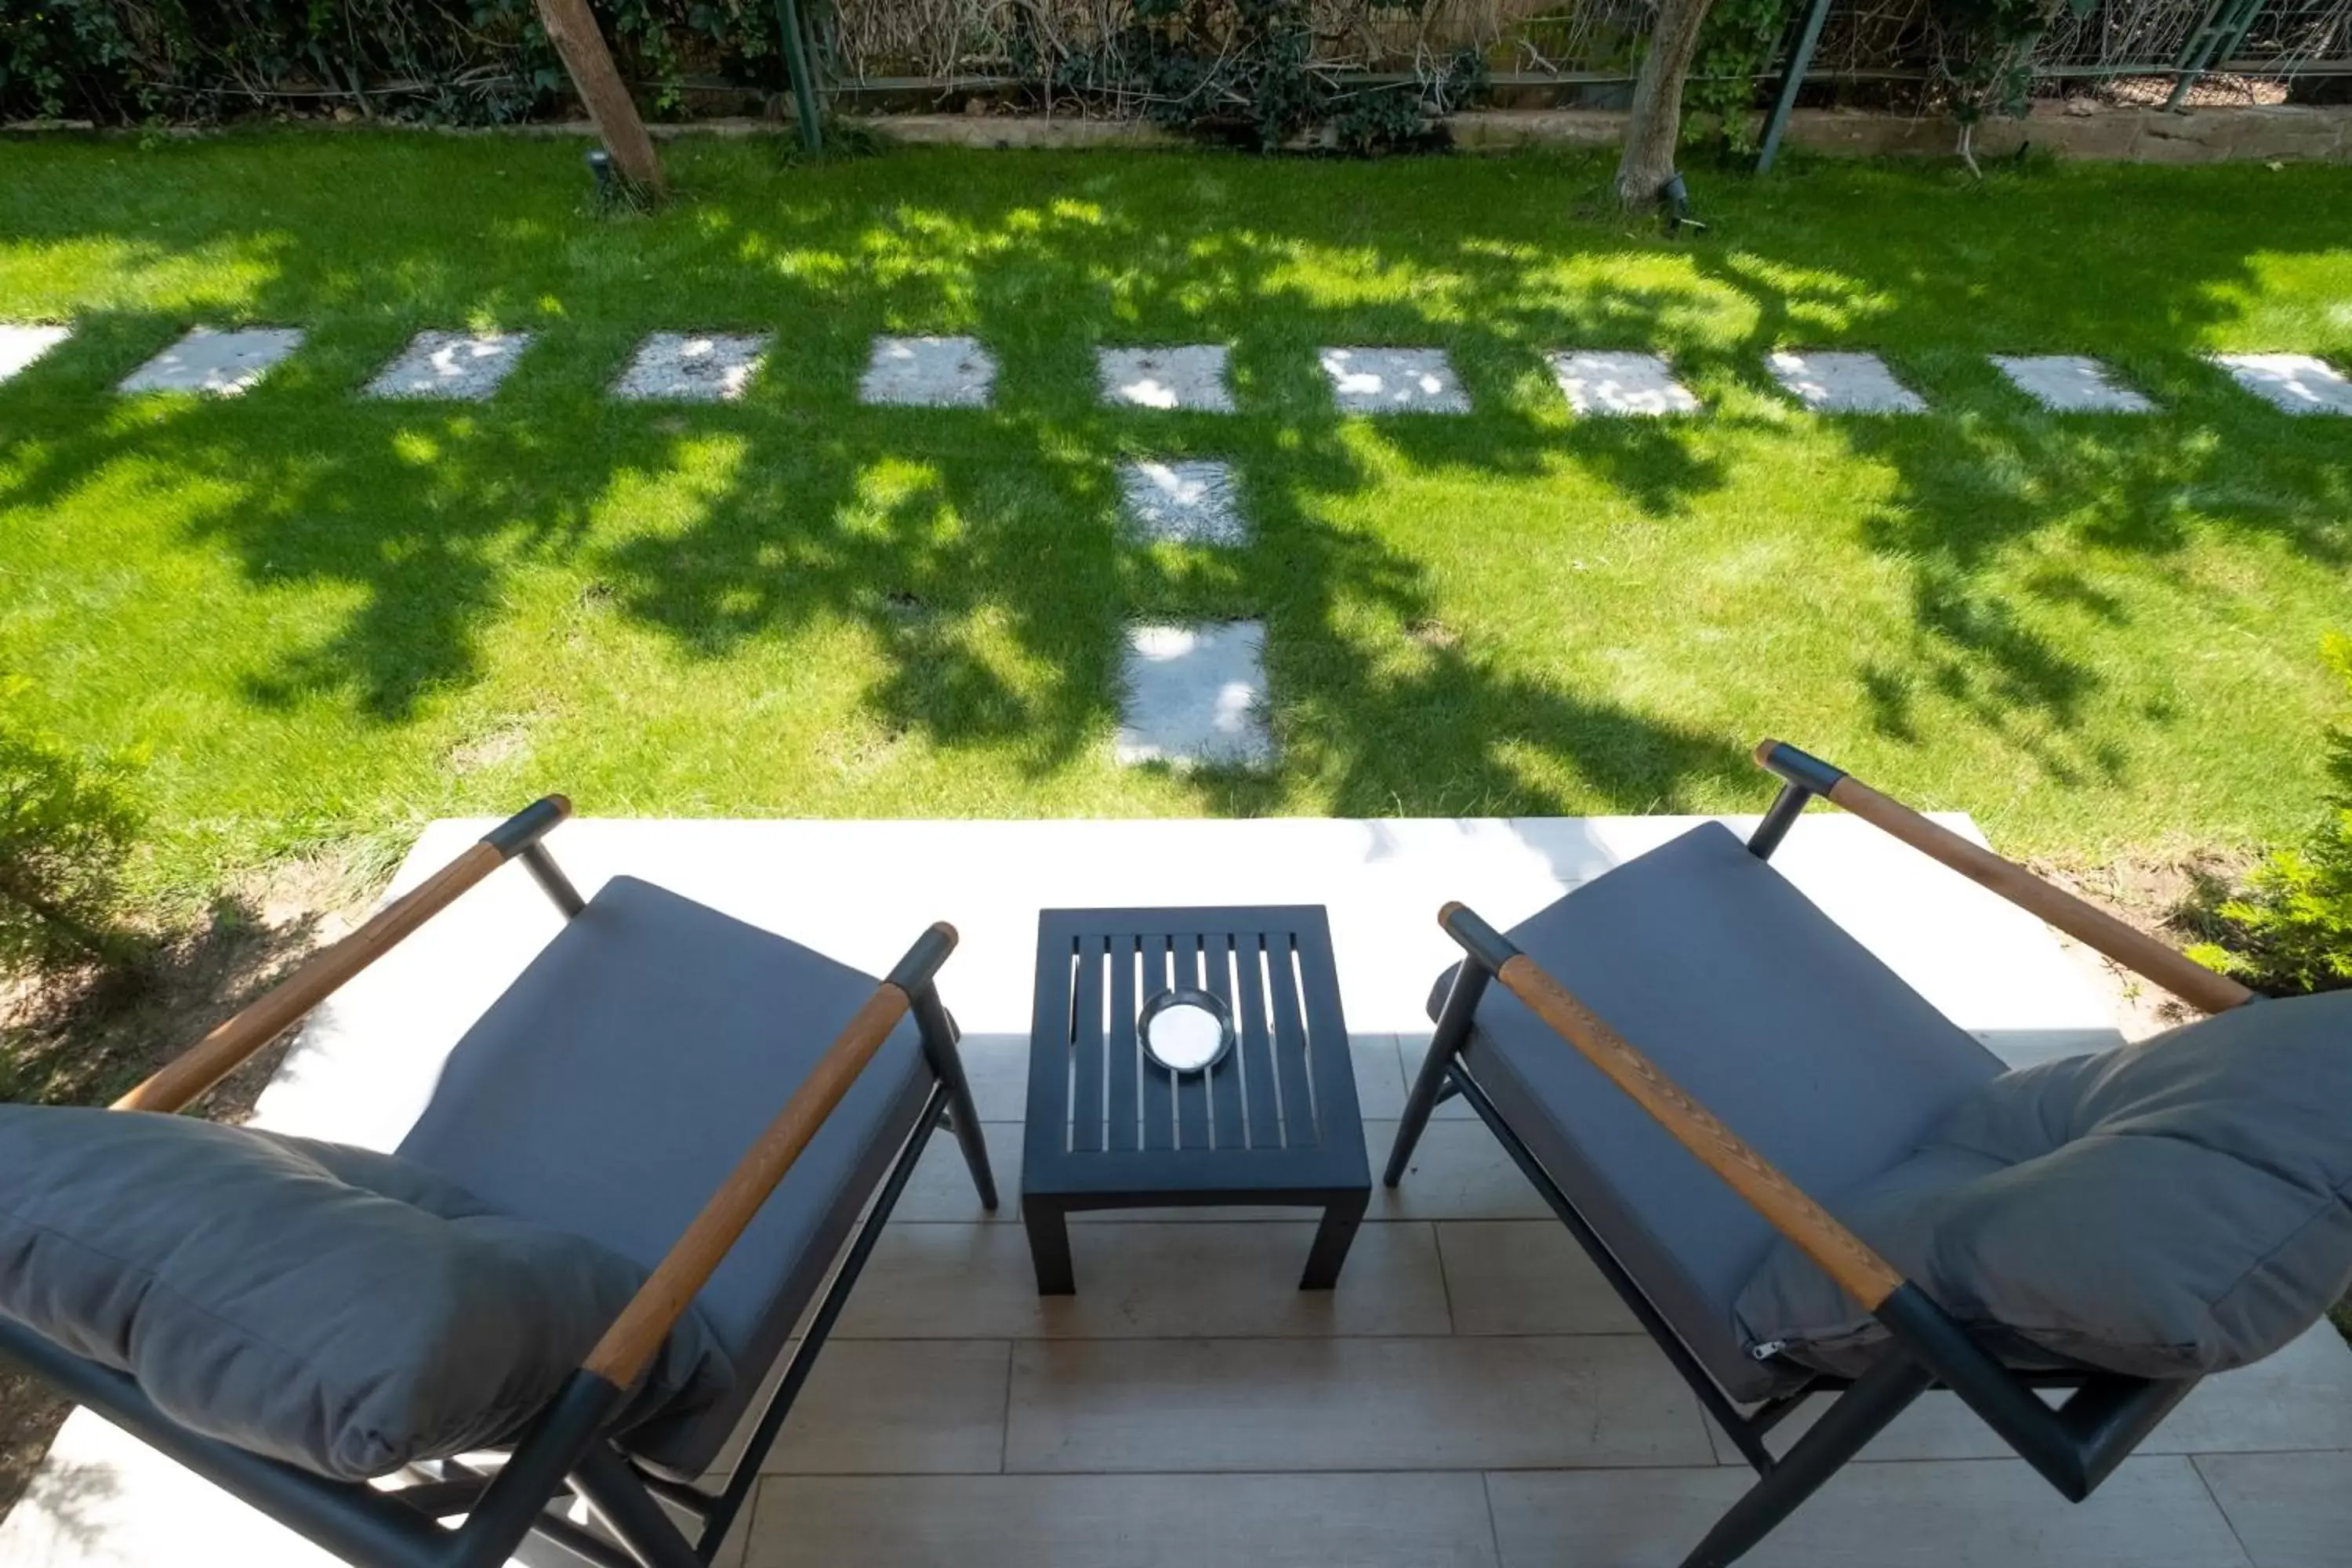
(962, 572)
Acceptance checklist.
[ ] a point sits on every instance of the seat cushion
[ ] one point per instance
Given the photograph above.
(340, 1309)
(2165, 1210)
(618, 1081)
(1704, 957)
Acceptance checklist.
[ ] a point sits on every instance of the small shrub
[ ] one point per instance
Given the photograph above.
(65, 825)
(2290, 931)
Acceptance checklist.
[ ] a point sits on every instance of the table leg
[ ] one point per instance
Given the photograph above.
(1332, 1239)
(1049, 1246)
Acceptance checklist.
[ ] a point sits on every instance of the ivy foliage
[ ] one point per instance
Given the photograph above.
(1740, 45)
(461, 61)
(1245, 70)
(1984, 52)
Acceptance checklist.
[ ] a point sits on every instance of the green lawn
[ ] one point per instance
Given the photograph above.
(320, 616)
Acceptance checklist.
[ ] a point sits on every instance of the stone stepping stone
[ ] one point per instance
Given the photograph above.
(929, 372)
(1844, 382)
(20, 346)
(1192, 502)
(1195, 697)
(464, 365)
(693, 367)
(2299, 384)
(214, 363)
(2070, 383)
(1395, 381)
(1192, 376)
(1607, 383)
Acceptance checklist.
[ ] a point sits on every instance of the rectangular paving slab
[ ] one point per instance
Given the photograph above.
(1195, 697)
(1605, 383)
(1395, 381)
(2070, 383)
(20, 346)
(929, 372)
(2299, 384)
(464, 365)
(1844, 382)
(692, 367)
(1187, 503)
(1188, 376)
(218, 364)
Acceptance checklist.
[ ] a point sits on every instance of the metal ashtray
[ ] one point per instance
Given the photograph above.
(1186, 1030)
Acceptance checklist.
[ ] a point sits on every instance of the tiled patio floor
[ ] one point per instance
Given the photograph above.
(1470, 1395)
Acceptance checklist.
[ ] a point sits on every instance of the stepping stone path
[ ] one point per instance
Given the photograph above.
(1195, 697)
(1844, 382)
(2070, 383)
(1183, 503)
(692, 367)
(1394, 381)
(1619, 383)
(219, 363)
(20, 346)
(1187, 377)
(2298, 384)
(929, 372)
(468, 366)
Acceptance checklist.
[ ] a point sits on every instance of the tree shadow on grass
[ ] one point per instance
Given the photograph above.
(976, 557)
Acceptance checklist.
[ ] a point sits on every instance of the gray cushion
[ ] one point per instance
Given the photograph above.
(2165, 1210)
(618, 1081)
(340, 1309)
(1747, 996)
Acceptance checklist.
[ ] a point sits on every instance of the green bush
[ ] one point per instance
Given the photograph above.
(2292, 929)
(65, 825)
(470, 61)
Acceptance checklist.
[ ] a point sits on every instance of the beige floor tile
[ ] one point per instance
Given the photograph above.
(936, 1282)
(2290, 1510)
(997, 1068)
(1364, 1403)
(2299, 1398)
(1457, 1172)
(1525, 1277)
(1412, 1050)
(898, 1407)
(1380, 1080)
(2152, 1513)
(1124, 1522)
(941, 1188)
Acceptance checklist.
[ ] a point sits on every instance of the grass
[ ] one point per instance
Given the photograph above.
(320, 618)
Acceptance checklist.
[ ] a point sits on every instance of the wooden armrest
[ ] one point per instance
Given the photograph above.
(2086, 923)
(1842, 1255)
(182, 1079)
(637, 1335)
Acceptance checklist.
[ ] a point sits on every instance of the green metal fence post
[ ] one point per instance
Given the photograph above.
(788, 17)
(1800, 60)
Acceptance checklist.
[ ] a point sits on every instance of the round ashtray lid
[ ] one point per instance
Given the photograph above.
(1186, 1030)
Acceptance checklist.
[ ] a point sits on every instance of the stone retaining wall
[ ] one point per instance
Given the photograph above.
(2074, 130)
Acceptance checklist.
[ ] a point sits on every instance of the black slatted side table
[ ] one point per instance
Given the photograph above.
(1274, 1121)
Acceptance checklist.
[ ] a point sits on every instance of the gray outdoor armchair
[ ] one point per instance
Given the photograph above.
(716, 1116)
(1743, 1117)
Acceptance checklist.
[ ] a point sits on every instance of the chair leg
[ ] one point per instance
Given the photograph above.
(630, 1511)
(939, 1033)
(1857, 1415)
(1453, 1029)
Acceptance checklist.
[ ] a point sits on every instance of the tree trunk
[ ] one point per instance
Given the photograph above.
(573, 29)
(1654, 130)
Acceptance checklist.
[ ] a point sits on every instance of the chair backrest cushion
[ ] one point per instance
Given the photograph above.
(2163, 1210)
(341, 1309)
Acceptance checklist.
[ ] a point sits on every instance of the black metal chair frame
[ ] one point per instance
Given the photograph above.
(2075, 1445)
(568, 1452)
